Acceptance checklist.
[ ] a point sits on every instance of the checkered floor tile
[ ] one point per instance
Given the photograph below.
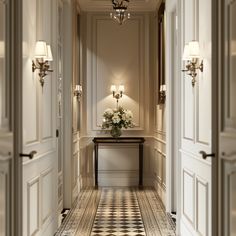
(118, 213)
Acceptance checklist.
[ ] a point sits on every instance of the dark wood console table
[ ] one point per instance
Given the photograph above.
(122, 140)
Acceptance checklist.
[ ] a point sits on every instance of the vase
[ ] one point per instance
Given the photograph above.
(115, 132)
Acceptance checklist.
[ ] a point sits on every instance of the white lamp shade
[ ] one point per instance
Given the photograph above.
(186, 53)
(78, 88)
(113, 88)
(122, 88)
(49, 54)
(2, 49)
(41, 50)
(162, 88)
(194, 49)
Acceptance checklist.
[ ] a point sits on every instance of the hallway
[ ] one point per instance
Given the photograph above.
(117, 94)
(118, 211)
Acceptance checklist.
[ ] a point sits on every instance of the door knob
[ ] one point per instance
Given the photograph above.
(205, 155)
(30, 155)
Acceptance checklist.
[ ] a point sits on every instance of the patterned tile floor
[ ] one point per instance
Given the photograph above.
(117, 212)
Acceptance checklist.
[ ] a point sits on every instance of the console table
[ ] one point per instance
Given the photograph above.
(122, 140)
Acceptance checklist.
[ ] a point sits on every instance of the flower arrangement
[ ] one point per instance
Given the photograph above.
(117, 119)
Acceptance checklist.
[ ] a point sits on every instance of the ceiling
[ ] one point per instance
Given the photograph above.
(106, 5)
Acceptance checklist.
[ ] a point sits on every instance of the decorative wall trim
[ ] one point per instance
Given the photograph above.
(160, 132)
(143, 66)
(160, 140)
(160, 151)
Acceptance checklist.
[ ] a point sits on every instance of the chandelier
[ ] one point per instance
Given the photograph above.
(120, 7)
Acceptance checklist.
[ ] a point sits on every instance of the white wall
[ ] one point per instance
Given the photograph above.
(116, 55)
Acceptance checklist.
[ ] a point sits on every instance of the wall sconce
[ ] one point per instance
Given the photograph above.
(191, 55)
(162, 93)
(43, 55)
(118, 95)
(78, 92)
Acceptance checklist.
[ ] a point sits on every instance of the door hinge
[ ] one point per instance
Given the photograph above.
(57, 133)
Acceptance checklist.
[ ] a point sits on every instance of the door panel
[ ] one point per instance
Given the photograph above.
(196, 125)
(39, 126)
(6, 133)
(227, 114)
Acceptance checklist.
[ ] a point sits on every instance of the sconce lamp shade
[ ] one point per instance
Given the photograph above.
(2, 49)
(121, 88)
(194, 49)
(186, 53)
(162, 88)
(49, 53)
(113, 88)
(78, 88)
(41, 49)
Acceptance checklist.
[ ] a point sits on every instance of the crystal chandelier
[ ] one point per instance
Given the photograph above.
(120, 7)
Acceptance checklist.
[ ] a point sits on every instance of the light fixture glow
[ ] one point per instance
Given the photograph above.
(113, 88)
(121, 88)
(40, 50)
(49, 54)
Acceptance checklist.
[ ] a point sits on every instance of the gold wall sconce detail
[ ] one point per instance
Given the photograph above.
(162, 93)
(78, 92)
(117, 94)
(192, 57)
(43, 55)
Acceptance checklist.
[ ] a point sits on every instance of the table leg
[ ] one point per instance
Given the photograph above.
(96, 164)
(140, 164)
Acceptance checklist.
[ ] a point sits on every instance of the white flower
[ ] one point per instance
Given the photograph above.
(109, 111)
(116, 118)
(129, 114)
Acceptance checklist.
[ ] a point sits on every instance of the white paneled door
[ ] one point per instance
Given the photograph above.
(227, 115)
(10, 118)
(39, 124)
(196, 125)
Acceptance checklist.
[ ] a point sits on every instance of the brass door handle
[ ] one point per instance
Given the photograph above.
(30, 155)
(205, 155)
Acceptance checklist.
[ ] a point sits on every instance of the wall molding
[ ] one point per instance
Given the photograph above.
(92, 69)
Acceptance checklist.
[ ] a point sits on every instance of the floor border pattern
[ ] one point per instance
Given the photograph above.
(143, 207)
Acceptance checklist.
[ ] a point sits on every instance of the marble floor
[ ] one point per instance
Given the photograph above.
(117, 212)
